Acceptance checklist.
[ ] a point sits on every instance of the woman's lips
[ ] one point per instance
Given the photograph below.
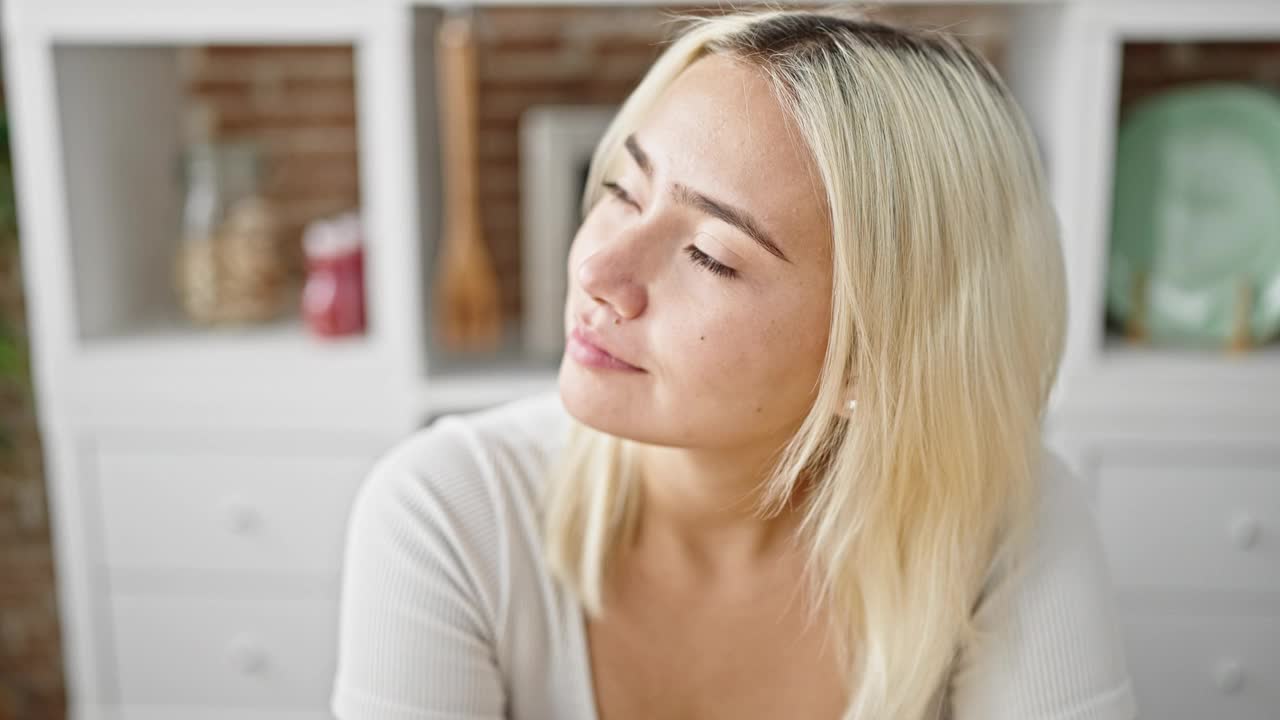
(582, 350)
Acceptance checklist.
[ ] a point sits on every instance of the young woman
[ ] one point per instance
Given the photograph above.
(793, 467)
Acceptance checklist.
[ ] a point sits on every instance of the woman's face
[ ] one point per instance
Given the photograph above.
(727, 331)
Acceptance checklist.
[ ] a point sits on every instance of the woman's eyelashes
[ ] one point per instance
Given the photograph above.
(710, 263)
(698, 257)
(619, 193)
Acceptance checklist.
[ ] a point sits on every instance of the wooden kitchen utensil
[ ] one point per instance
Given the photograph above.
(467, 312)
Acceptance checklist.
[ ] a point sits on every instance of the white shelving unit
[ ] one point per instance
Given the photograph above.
(1181, 448)
(1078, 127)
(199, 481)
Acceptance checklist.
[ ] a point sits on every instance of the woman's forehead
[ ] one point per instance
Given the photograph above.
(720, 129)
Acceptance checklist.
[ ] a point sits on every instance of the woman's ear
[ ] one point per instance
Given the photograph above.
(849, 397)
(847, 407)
(848, 394)
(848, 400)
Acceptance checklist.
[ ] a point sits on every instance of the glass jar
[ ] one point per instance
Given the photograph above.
(229, 268)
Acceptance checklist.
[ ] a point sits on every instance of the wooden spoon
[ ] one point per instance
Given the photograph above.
(467, 312)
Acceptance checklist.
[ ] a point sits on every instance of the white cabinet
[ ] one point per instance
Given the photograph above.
(204, 510)
(221, 567)
(1215, 666)
(231, 650)
(213, 560)
(1190, 520)
(1191, 523)
(1181, 448)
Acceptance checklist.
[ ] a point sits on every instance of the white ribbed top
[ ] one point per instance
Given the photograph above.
(448, 611)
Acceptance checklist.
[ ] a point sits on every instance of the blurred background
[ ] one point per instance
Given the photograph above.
(245, 247)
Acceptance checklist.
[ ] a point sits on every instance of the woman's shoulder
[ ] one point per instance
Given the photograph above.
(475, 464)
(440, 570)
(1062, 539)
(463, 491)
(498, 449)
(1050, 635)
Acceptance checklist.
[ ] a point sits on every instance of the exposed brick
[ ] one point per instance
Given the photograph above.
(334, 139)
(249, 61)
(301, 83)
(525, 21)
(495, 187)
(301, 212)
(500, 124)
(532, 44)
(215, 90)
(1152, 68)
(498, 143)
(29, 507)
(305, 175)
(613, 43)
(13, 633)
(618, 67)
(498, 88)
(280, 106)
(505, 66)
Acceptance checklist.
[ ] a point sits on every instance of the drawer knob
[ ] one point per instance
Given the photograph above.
(240, 516)
(1229, 676)
(1245, 531)
(247, 656)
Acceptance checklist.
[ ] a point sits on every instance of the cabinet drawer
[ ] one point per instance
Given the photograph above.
(1194, 668)
(261, 652)
(1190, 525)
(210, 511)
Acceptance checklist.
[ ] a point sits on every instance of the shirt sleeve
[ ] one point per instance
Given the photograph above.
(1053, 650)
(418, 594)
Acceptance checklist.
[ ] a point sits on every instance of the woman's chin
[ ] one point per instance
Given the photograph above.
(598, 404)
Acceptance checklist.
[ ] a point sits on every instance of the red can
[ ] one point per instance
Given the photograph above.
(333, 296)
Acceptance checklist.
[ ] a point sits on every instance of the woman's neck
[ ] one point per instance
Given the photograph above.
(698, 511)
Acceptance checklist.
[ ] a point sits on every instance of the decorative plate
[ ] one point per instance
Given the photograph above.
(1195, 233)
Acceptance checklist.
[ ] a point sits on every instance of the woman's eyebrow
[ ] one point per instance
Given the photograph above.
(689, 197)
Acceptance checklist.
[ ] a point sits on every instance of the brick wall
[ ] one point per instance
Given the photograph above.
(1152, 67)
(31, 681)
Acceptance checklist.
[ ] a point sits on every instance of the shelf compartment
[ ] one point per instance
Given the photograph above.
(122, 110)
(1151, 69)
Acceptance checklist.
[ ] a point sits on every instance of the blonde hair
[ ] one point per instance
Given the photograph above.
(948, 321)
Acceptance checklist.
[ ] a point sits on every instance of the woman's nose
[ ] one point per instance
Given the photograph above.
(612, 274)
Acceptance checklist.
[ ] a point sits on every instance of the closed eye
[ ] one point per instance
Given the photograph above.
(619, 193)
(698, 257)
(710, 263)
